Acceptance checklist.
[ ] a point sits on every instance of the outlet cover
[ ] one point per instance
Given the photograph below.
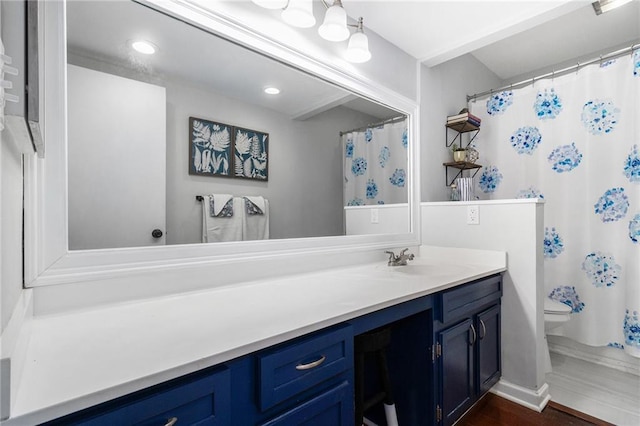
(473, 215)
(375, 216)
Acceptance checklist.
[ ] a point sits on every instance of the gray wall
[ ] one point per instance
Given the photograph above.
(443, 91)
(305, 165)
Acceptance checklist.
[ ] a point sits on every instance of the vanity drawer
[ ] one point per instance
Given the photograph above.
(198, 399)
(295, 367)
(462, 300)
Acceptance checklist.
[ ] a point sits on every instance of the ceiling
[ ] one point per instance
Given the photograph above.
(511, 38)
(99, 34)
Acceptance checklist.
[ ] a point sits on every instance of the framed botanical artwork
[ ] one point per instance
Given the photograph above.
(251, 154)
(210, 148)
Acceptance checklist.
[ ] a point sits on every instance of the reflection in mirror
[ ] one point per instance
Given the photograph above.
(152, 136)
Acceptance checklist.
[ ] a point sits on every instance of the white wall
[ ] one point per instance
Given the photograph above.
(516, 227)
(10, 228)
(443, 91)
(377, 219)
(11, 190)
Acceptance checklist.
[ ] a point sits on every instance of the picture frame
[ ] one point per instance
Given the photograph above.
(210, 148)
(251, 154)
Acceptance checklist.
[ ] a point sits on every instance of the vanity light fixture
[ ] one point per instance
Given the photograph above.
(358, 49)
(602, 6)
(334, 26)
(299, 13)
(144, 47)
(271, 90)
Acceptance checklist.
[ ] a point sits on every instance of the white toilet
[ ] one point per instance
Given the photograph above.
(555, 314)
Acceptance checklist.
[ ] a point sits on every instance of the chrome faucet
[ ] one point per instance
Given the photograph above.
(399, 260)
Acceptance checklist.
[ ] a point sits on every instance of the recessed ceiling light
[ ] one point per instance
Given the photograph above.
(144, 47)
(271, 90)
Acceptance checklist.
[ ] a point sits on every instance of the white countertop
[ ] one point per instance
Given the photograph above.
(78, 359)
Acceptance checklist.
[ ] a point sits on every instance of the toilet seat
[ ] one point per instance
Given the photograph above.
(553, 307)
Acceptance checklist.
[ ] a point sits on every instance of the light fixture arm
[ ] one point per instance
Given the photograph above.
(359, 26)
(335, 3)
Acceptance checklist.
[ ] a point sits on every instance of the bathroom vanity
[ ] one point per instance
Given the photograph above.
(272, 352)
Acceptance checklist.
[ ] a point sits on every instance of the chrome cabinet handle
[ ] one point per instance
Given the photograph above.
(311, 365)
(473, 333)
(172, 421)
(484, 330)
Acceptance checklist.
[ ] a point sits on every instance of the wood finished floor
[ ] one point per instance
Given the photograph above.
(493, 410)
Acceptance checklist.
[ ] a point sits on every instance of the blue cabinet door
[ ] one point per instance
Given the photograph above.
(488, 326)
(457, 370)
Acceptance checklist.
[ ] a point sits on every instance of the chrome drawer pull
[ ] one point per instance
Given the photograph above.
(172, 421)
(484, 330)
(311, 365)
(473, 339)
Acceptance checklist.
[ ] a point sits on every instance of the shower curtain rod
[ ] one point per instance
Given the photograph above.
(381, 123)
(552, 74)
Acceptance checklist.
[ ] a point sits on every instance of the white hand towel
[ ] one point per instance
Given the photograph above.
(258, 201)
(219, 201)
(256, 227)
(218, 229)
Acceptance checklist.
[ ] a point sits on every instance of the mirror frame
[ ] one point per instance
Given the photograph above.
(47, 259)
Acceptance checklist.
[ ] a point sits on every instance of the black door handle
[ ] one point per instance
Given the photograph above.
(156, 233)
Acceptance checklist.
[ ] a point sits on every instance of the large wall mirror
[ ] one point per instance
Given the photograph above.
(162, 142)
(119, 164)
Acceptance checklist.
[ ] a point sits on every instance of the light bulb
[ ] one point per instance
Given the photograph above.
(358, 49)
(144, 47)
(334, 27)
(271, 90)
(299, 13)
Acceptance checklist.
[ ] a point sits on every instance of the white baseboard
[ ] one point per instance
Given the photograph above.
(605, 356)
(533, 399)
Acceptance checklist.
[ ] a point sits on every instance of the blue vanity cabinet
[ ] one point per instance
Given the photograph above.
(456, 365)
(309, 380)
(303, 381)
(202, 399)
(467, 346)
(488, 348)
(332, 407)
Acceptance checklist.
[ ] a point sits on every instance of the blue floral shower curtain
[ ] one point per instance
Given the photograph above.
(575, 142)
(375, 162)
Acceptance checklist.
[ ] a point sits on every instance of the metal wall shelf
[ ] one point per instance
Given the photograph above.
(460, 166)
(460, 129)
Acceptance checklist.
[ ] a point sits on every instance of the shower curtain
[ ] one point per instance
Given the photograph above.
(574, 141)
(375, 162)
